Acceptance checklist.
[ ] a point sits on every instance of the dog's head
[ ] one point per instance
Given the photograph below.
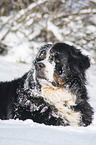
(54, 62)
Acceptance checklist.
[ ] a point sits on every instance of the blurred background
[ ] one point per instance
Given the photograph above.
(25, 25)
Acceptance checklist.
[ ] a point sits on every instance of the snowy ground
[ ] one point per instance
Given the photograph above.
(16, 132)
(29, 133)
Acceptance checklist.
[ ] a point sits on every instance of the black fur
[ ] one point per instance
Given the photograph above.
(21, 98)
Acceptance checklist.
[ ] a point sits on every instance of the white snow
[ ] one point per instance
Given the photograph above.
(55, 31)
(91, 29)
(9, 71)
(16, 132)
(29, 133)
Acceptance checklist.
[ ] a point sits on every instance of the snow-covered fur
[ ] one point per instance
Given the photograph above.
(53, 92)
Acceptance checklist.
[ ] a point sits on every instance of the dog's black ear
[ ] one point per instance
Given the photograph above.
(78, 62)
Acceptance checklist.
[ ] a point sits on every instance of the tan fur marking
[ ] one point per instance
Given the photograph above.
(62, 100)
(52, 53)
(60, 81)
(42, 57)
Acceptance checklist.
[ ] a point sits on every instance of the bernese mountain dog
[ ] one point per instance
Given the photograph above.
(53, 92)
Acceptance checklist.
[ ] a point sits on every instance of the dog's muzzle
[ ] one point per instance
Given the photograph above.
(40, 70)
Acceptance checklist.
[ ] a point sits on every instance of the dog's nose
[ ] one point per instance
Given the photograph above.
(39, 65)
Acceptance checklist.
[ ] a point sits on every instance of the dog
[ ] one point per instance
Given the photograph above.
(53, 92)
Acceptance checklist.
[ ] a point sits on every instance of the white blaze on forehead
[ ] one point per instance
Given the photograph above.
(49, 67)
(49, 70)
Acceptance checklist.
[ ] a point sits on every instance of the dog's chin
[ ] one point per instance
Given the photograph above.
(45, 82)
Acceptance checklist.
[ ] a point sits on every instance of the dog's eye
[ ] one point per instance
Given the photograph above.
(60, 72)
(59, 69)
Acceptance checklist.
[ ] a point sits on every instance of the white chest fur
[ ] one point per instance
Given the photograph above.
(62, 100)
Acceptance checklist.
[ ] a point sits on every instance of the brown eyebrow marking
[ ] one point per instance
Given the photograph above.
(53, 53)
(42, 57)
